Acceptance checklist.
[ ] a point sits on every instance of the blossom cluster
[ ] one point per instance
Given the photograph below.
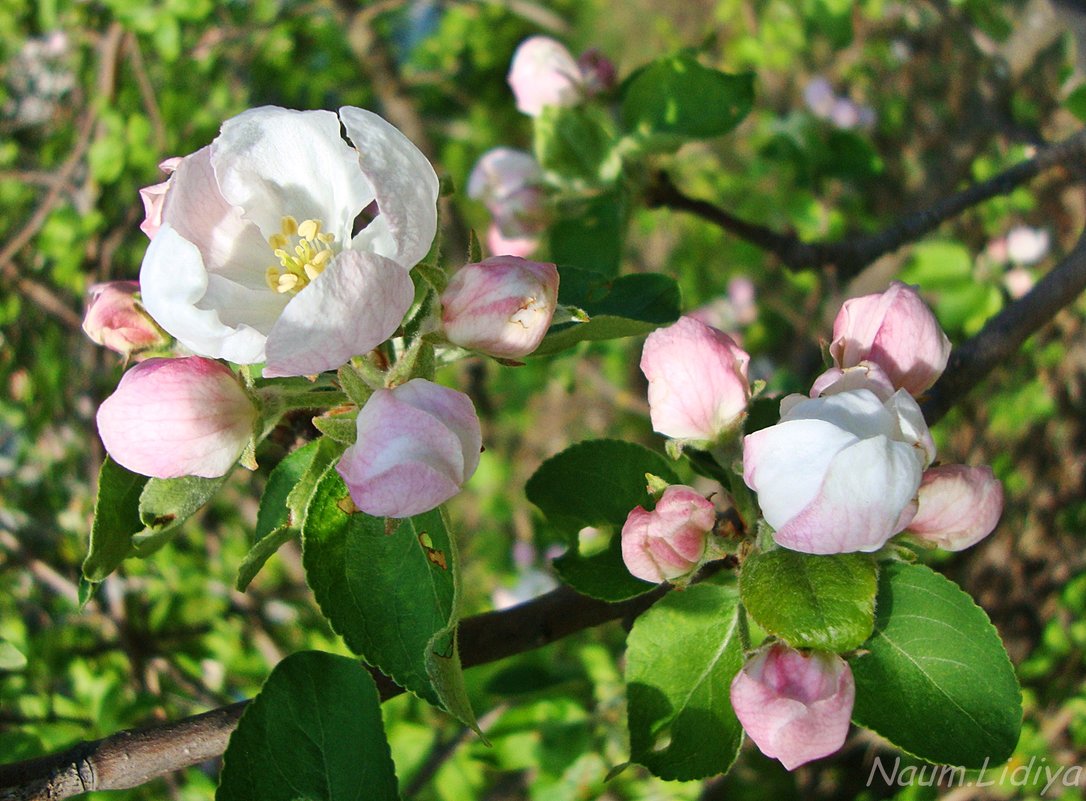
(287, 245)
(847, 467)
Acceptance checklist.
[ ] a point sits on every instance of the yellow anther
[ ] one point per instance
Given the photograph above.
(277, 241)
(271, 275)
(309, 229)
(303, 251)
(289, 226)
(287, 282)
(327, 239)
(321, 258)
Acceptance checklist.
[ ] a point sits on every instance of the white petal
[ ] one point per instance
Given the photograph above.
(238, 305)
(173, 281)
(785, 464)
(230, 244)
(274, 162)
(859, 411)
(351, 308)
(911, 424)
(403, 180)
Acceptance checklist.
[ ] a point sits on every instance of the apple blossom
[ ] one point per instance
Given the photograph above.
(795, 706)
(417, 444)
(958, 506)
(501, 306)
(509, 183)
(543, 73)
(233, 274)
(896, 330)
(1027, 245)
(698, 387)
(865, 375)
(116, 320)
(177, 417)
(669, 541)
(839, 473)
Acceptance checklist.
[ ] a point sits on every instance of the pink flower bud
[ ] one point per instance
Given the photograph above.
(897, 331)
(502, 174)
(154, 199)
(669, 541)
(959, 506)
(501, 245)
(177, 417)
(795, 706)
(116, 319)
(417, 444)
(698, 386)
(543, 73)
(501, 306)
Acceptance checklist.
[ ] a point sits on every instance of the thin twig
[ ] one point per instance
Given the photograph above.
(852, 255)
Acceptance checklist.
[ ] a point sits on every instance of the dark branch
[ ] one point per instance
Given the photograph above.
(850, 256)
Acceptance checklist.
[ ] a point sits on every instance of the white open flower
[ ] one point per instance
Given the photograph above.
(257, 259)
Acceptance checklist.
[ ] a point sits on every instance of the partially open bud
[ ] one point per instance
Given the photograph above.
(177, 417)
(897, 331)
(668, 542)
(795, 706)
(417, 444)
(698, 386)
(501, 306)
(865, 375)
(116, 319)
(543, 73)
(959, 506)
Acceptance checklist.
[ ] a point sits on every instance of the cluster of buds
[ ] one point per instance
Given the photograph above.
(846, 468)
(232, 276)
(544, 73)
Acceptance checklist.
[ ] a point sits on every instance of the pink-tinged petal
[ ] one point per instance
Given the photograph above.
(404, 181)
(911, 426)
(698, 387)
(668, 542)
(456, 412)
(413, 450)
(274, 162)
(502, 173)
(794, 706)
(785, 464)
(959, 506)
(177, 417)
(865, 375)
(859, 505)
(858, 411)
(228, 243)
(173, 283)
(502, 306)
(154, 199)
(543, 73)
(897, 331)
(348, 310)
(116, 319)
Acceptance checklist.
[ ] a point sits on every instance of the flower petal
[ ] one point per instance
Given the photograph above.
(351, 308)
(274, 162)
(455, 410)
(173, 282)
(403, 181)
(859, 505)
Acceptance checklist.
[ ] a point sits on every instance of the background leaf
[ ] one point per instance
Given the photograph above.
(681, 657)
(934, 678)
(314, 732)
(823, 602)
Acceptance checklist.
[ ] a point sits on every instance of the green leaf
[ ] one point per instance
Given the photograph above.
(621, 307)
(934, 678)
(575, 144)
(823, 602)
(1076, 102)
(589, 233)
(390, 593)
(594, 483)
(681, 657)
(166, 503)
(116, 519)
(313, 732)
(600, 575)
(675, 98)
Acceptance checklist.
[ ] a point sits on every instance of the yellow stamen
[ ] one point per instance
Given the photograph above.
(312, 252)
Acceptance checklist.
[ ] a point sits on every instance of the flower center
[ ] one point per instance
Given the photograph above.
(300, 264)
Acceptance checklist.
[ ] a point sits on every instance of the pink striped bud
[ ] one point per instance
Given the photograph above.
(543, 73)
(668, 542)
(959, 506)
(116, 319)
